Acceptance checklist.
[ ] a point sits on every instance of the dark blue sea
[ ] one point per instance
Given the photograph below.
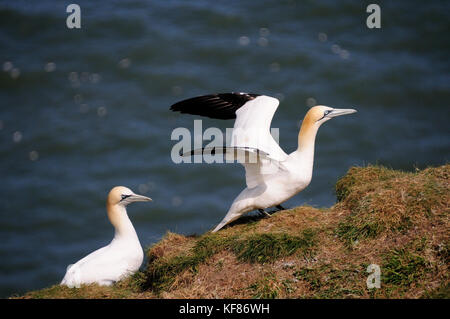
(83, 110)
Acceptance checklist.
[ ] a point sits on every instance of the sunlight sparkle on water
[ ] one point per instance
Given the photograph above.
(15, 73)
(101, 111)
(244, 40)
(322, 37)
(7, 66)
(310, 102)
(50, 67)
(124, 63)
(263, 42)
(34, 156)
(17, 137)
(264, 32)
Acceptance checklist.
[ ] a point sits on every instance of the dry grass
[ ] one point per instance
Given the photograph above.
(395, 219)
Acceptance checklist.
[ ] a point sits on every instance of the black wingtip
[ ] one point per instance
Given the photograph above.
(220, 106)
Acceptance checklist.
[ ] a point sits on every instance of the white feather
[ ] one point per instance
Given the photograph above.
(252, 130)
(106, 265)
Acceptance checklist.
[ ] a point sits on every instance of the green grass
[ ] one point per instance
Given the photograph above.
(383, 200)
(265, 288)
(402, 267)
(160, 275)
(328, 282)
(351, 232)
(311, 275)
(124, 289)
(357, 177)
(405, 267)
(395, 219)
(263, 248)
(210, 244)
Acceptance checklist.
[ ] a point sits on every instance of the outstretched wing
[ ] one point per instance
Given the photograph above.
(253, 113)
(251, 129)
(231, 153)
(217, 106)
(259, 166)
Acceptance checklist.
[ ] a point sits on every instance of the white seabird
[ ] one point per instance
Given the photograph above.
(122, 257)
(273, 176)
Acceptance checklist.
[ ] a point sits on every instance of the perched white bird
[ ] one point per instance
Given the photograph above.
(122, 257)
(273, 176)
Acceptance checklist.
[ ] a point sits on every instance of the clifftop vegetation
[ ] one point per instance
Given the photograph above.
(397, 220)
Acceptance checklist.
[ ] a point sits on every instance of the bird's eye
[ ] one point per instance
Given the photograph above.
(327, 112)
(125, 196)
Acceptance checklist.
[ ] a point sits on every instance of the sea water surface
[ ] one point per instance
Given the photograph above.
(83, 110)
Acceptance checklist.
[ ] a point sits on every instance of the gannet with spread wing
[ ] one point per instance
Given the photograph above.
(273, 176)
(122, 257)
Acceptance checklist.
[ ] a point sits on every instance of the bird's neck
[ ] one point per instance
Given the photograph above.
(307, 135)
(118, 217)
(306, 142)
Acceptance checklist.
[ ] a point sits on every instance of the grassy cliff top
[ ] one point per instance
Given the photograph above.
(397, 220)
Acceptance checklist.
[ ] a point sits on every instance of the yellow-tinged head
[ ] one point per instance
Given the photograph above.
(118, 198)
(321, 113)
(121, 195)
(315, 117)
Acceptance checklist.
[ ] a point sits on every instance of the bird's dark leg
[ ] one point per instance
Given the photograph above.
(262, 211)
(279, 207)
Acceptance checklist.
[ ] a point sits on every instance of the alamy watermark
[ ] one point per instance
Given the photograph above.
(374, 19)
(235, 144)
(73, 21)
(374, 279)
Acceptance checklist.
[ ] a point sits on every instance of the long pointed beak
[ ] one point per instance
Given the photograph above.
(339, 112)
(139, 198)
